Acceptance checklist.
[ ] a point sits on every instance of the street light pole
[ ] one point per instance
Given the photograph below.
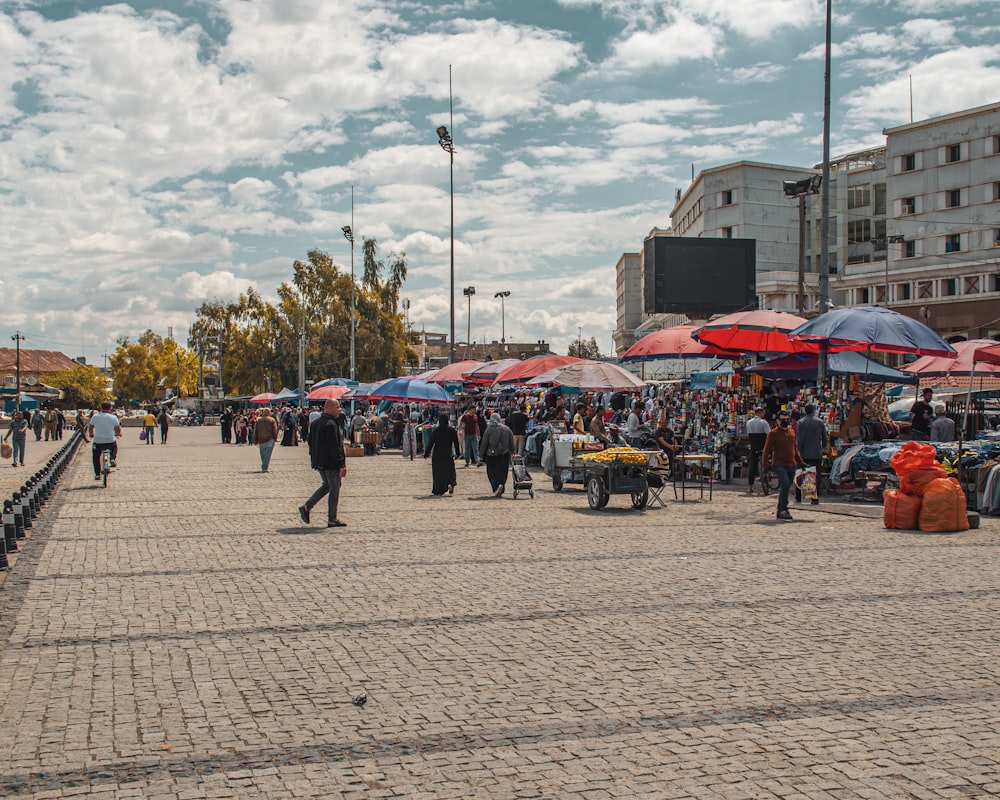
(824, 239)
(469, 291)
(18, 338)
(349, 235)
(445, 140)
(503, 327)
(800, 189)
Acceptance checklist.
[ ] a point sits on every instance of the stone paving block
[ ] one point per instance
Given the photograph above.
(191, 638)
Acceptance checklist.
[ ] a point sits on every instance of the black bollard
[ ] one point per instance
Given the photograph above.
(28, 500)
(18, 516)
(9, 531)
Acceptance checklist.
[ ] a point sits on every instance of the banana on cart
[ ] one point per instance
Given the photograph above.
(625, 455)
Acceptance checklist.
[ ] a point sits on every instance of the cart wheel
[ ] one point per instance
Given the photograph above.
(639, 499)
(515, 494)
(596, 496)
(531, 493)
(557, 483)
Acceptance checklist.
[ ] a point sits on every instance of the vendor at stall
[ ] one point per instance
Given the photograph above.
(921, 413)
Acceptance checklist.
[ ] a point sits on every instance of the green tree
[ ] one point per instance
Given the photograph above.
(141, 367)
(585, 348)
(82, 386)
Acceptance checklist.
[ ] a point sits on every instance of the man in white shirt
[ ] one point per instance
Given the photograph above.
(104, 430)
(757, 431)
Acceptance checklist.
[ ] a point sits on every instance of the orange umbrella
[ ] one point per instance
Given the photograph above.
(675, 342)
(331, 392)
(523, 371)
(452, 372)
(755, 332)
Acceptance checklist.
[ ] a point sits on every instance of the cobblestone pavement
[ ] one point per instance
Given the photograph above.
(183, 635)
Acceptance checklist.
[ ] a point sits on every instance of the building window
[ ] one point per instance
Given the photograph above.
(862, 259)
(727, 197)
(996, 283)
(948, 287)
(908, 205)
(996, 190)
(864, 296)
(727, 233)
(953, 243)
(971, 284)
(879, 198)
(954, 153)
(996, 144)
(909, 162)
(859, 230)
(925, 290)
(903, 291)
(858, 197)
(953, 198)
(909, 249)
(996, 237)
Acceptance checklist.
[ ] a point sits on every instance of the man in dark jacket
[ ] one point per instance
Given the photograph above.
(811, 439)
(326, 454)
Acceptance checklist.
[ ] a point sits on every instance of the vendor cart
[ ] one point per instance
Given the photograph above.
(605, 478)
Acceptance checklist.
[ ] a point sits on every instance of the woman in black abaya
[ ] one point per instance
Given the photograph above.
(440, 450)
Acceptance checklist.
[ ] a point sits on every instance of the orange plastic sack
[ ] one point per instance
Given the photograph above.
(902, 511)
(943, 509)
(911, 456)
(915, 481)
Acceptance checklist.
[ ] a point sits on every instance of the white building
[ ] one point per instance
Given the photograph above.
(943, 230)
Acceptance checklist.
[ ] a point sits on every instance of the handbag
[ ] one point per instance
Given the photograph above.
(6, 451)
(142, 435)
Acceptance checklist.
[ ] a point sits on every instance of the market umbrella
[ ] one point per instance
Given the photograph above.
(335, 382)
(452, 372)
(675, 342)
(410, 390)
(805, 365)
(287, 394)
(590, 376)
(488, 371)
(754, 332)
(990, 353)
(961, 366)
(872, 328)
(328, 392)
(530, 367)
(361, 391)
(263, 398)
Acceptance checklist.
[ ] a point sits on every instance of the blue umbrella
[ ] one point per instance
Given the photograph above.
(874, 328)
(847, 363)
(335, 382)
(410, 390)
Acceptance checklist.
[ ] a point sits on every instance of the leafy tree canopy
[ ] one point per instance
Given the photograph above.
(82, 386)
(585, 348)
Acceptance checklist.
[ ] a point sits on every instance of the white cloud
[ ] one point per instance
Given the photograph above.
(683, 39)
(251, 193)
(763, 72)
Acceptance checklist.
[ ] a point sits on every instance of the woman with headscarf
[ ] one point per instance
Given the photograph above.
(440, 449)
(495, 449)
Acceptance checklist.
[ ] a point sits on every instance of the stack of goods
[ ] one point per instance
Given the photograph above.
(626, 455)
(926, 499)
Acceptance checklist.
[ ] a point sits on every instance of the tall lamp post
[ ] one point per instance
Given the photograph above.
(444, 139)
(800, 189)
(503, 329)
(349, 235)
(18, 338)
(469, 291)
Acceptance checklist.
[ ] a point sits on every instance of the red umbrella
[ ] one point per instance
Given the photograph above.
(755, 332)
(487, 373)
(590, 376)
(452, 372)
(530, 367)
(262, 399)
(331, 392)
(969, 353)
(990, 353)
(675, 342)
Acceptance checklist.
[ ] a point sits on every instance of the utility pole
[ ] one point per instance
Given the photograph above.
(824, 241)
(18, 338)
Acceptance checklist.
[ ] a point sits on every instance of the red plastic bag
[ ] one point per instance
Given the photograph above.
(944, 508)
(915, 481)
(902, 511)
(911, 456)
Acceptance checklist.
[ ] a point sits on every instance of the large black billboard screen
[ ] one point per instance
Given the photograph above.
(699, 277)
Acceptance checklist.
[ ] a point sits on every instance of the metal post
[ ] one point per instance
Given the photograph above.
(824, 259)
(802, 255)
(503, 324)
(18, 338)
(353, 303)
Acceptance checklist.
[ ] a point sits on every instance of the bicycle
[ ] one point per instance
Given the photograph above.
(105, 467)
(767, 479)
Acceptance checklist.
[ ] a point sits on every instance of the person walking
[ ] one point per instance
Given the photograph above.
(811, 439)
(226, 425)
(757, 430)
(495, 447)
(164, 420)
(17, 432)
(37, 423)
(443, 443)
(518, 424)
(265, 434)
(51, 418)
(782, 455)
(921, 413)
(326, 455)
(149, 425)
(470, 436)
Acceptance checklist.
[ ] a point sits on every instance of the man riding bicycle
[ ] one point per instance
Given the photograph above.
(104, 430)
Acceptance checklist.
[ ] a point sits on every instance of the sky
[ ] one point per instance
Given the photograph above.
(155, 154)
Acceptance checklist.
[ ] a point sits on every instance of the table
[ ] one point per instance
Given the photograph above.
(703, 463)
